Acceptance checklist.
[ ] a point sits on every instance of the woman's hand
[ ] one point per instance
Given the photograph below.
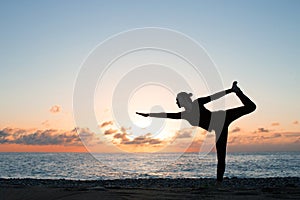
(143, 114)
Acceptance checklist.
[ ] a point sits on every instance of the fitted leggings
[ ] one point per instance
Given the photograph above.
(231, 115)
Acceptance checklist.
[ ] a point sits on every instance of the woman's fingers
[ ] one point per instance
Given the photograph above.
(143, 114)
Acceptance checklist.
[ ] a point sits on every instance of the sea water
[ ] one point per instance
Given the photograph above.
(85, 166)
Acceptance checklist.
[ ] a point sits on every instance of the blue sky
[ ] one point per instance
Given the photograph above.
(43, 44)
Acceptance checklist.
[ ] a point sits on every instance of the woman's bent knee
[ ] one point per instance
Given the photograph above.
(252, 107)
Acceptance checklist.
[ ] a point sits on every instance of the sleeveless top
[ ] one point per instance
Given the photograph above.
(198, 116)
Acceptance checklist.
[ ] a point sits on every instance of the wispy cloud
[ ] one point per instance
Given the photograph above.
(275, 124)
(265, 141)
(55, 109)
(143, 140)
(234, 140)
(107, 123)
(88, 137)
(184, 133)
(110, 131)
(262, 130)
(122, 136)
(265, 138)
(146, 139)
(290, 134)
(235, 130)
(296, 122)
(272, 136)
(46, 123)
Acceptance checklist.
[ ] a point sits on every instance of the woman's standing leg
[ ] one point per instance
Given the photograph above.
(221, 153)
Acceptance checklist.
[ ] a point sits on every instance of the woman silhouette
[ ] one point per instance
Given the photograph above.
(218, 121)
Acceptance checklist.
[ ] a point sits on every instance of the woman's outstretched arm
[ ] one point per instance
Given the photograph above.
(161, 115)
(217, 95)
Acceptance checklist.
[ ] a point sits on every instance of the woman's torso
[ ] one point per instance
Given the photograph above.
(198, 116)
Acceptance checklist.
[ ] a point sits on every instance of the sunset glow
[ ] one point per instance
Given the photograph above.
(44, 47)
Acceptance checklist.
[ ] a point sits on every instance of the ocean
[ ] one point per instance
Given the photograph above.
(84, 166)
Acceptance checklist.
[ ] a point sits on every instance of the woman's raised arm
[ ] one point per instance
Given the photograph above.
(217, 95)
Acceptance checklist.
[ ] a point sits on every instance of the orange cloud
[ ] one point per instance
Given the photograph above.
(195, 146)
(185, 133)
(46, 123)
(262, 130)
(32, 140)
(296, 122)
(275, 124)
(235, 130)
(265, 141)
(143, 140)
(46, 137)
(55, 109)
(110, 131)
(291, 134)
(187, 140)
(192, 139)
(40, 148)
(122, 136)
(125, 141)
(107, 123)
(51, 140)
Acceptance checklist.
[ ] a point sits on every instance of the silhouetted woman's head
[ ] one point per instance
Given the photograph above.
(183, 99)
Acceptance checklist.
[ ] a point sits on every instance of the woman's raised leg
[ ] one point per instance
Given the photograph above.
(235, 113)
(231, 115)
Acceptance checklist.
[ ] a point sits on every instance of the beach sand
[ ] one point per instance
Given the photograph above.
(234, 188)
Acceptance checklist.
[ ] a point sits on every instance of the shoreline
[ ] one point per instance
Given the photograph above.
(185, 188)
(143, 182)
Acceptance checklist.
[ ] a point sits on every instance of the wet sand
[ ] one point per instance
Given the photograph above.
(262, 188)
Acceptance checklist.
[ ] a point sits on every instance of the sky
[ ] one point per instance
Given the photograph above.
(43, 45)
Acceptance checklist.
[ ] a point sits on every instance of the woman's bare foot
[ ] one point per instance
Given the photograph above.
(235, 88)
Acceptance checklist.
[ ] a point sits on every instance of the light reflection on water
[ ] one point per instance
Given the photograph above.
(114, 166)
